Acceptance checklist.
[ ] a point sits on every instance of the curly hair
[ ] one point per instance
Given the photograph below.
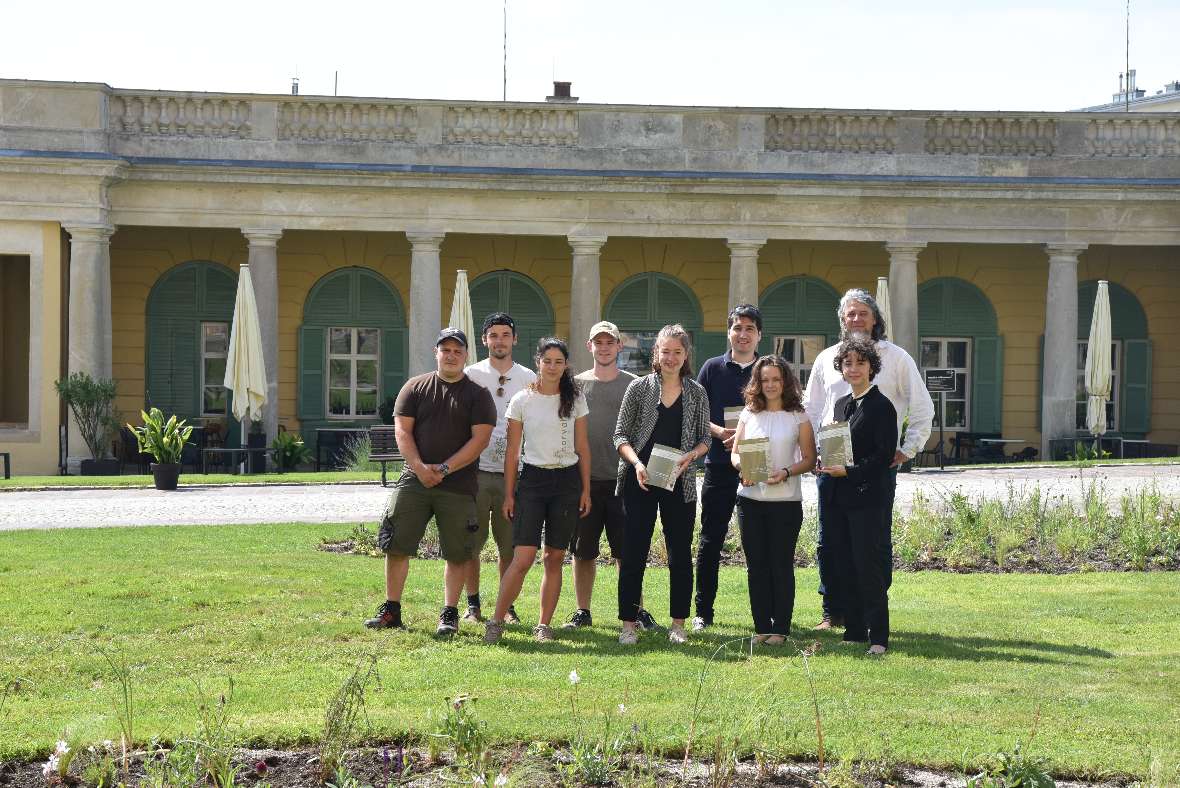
(677, 332)
(863, 348)
(792, 393)
(567, 387)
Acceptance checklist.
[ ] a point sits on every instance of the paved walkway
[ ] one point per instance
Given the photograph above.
(348, 503)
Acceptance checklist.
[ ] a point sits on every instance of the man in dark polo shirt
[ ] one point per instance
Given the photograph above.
(443, 420)
(723, 377)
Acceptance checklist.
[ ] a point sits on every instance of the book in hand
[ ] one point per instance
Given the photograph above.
(732, 415)
(662, 467)
(754, 454)
(835, 444)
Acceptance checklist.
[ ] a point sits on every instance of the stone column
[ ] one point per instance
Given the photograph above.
(903, 295)
(90, 324)
(1061, 335)
(585, 296)
(425, 300)
(743, 271)
(264, 273)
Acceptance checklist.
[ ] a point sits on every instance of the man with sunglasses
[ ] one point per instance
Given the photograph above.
(503, 377)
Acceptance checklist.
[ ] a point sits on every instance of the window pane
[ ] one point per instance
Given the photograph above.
(1080, 420)
(956, 354)
(785, 347)
(1110, 425)
(214, 371)
(338, 402)
(956, 414)
(811, 347)
(366, 403)
(930, 354)
(216, 338)
(635, 355)
(366, 373)
(366, 341)
(215, 401)
(804, 375)
(341, 341)
(340, 375)
(960, 386)
(1081, 356)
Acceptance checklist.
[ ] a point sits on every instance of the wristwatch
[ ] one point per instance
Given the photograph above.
(444, 469)
(787, 471)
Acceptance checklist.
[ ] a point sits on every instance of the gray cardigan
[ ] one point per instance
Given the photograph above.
(637, 420)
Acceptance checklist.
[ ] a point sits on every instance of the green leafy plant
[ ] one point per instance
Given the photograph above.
(171, 768)
(92, 403)
(341, 717)
(290, 451)
(354, 456)
(466, 733)
(215, 743)
(123, 703)
(163, 439)
(1016, 769)
(98, 767)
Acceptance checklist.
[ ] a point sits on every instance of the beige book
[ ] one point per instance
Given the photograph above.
(731, 417)
(662, 466)
(754, 454)
(835, 444)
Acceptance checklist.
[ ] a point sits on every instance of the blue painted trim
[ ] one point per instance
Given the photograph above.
(441, 169)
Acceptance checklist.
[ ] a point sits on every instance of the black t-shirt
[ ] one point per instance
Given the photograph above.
(443, 415)
(667, 430)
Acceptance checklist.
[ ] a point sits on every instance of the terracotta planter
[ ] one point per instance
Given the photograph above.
(167, 475)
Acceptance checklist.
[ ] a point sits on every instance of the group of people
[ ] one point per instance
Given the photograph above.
(547, 461)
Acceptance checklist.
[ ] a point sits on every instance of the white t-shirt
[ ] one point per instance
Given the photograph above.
(782, 427)
(483, 373)
(548, 440)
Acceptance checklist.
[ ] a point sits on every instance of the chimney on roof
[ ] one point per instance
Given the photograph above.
(294, 86)
(561, 94)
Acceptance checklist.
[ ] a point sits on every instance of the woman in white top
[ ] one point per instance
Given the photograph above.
(770, 512)
(549, 417)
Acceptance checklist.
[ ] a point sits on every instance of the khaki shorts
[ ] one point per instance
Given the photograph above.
(411, 506)
(489, 505)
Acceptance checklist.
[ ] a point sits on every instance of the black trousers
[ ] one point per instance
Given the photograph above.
(825, 559)
(718, 496)
(770, 531)
(676, 516)
(858, 539)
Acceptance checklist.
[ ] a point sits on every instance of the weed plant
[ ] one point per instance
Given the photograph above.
(341, 717)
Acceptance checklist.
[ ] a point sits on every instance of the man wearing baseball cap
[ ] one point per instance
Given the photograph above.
(443, 420)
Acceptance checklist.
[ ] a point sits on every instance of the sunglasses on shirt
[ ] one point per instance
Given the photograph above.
(503, 379)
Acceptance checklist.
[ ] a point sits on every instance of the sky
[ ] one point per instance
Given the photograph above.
(997, 55)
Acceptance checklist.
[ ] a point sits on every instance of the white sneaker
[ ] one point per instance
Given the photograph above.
(676, 634)
(628, 637)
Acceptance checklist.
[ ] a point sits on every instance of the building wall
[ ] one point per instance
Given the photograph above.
(842, 265)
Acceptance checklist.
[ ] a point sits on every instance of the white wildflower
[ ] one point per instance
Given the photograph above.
(574, 677)
(62, 748)
(50, 767)
(478, 780)
(108, 744)
(622, 709)
(501, 780)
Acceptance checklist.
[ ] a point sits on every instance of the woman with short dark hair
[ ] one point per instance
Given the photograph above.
(856, 498)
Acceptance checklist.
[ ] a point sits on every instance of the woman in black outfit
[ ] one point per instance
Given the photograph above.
(855, 498)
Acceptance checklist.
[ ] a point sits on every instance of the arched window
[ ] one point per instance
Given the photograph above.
(643, 304)
(957, 325)
(189, 310)
(799, 320)
(352, 348)
(519, 296)
(1129, 410)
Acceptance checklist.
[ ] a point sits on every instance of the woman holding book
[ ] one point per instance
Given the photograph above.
(553, 488)
(856, 498)
(772, 447)
(663, 428)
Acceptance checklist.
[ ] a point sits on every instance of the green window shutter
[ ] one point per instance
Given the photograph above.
(218, 293)
(312, 363)
(629, 306)
(987, 391)
(393, 362)
(1040, 397)
(172, 366)
(376, 303)
(708, 345)
(1136, 408)
(485, 298)
(676, 304)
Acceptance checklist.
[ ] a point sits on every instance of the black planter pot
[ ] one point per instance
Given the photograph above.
(166, 474)
(104, 467)
(256, 461)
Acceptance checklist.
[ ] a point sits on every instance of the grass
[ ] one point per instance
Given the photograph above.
(189, 478)
(975, 659)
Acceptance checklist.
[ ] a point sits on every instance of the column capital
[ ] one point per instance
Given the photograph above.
(262, 236)
(1065, 252)
(586, 244)
(745, 247)
(425, 241)
(904, 249)
(92, 233)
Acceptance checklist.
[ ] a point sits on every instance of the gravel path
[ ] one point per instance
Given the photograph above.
(347, 503)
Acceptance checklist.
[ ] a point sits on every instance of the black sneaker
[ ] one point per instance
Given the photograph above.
(389, 616)
(510, 617)
(448, 622)
(646, 621)
(580, 618)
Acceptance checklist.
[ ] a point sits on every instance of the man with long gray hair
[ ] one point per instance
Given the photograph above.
(901, 382)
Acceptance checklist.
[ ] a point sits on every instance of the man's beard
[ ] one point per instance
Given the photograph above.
(858, 334)
(500, 353)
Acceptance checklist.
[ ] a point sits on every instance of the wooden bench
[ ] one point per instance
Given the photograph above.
(383, 442)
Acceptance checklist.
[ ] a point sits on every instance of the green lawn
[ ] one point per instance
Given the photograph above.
(189, 478)
(1092, 660)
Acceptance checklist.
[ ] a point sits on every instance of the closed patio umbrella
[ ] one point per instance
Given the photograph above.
(1098, 372)
(245, 369)
(883, 301)
(461, 316)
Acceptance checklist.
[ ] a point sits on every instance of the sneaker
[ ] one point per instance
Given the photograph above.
(700, 624)
(876, 651)
(473, 615)
(511, 617)
(676, 634)
(542, 633)
(629, 637)
(493, 631)
(448, 622)
(646, 621)
(580, 618)
(389, 616)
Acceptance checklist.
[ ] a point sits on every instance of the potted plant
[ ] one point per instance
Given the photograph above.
(289, 451)
(165, 441)
(92, 403)
(256, 443)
